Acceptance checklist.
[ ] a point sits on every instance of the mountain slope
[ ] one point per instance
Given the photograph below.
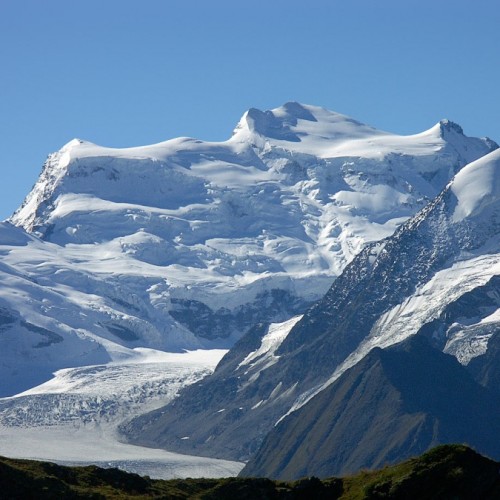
(189, 244)
(394, 404)
(411, 283)
(486, 368)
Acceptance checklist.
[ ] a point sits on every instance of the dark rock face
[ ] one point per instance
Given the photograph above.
(486, 368)
(272, 305)
(394, 404)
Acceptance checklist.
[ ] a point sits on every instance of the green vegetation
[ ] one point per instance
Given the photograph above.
(446, 472)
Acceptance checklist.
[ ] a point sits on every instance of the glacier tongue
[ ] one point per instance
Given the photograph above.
(73, 418)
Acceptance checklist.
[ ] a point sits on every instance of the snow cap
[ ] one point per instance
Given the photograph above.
(477, 186)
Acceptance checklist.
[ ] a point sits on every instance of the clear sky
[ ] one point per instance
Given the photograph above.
(123, 73)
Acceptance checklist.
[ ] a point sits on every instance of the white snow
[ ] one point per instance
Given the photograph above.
(476, 186)
(92, 446)
(73, 418)
(264, 356)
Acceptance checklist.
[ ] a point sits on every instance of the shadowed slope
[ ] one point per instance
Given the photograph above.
(394, 404)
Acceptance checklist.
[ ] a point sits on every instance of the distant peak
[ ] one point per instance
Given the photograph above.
(73, 143)
(447, 126)
(276, 123)
(298, 111)
(446, 129)
(269, 124)
(294, 122)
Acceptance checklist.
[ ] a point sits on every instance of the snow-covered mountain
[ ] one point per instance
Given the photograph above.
(117, 254)
(189, 244)
(437, 277)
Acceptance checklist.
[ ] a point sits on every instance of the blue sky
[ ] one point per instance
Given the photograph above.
(123, 73)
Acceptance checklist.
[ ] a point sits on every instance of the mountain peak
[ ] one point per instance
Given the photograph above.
(296, 122)
(298, 110)
(71, 144)
(277, 123)
(267, 124)
(452, 132)
(447, 126)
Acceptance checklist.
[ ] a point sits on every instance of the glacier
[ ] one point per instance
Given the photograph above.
(72, 419)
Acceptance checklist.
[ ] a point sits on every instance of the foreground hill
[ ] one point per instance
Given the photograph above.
(444, 472)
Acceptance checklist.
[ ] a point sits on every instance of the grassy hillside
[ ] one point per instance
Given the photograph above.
(449, 471)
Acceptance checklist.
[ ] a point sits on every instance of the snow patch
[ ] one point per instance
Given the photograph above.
(264, 356)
